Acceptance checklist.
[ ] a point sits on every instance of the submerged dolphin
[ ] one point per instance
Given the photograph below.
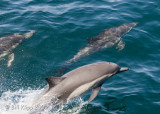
(77, 82)
(105, 39)
(9, 42)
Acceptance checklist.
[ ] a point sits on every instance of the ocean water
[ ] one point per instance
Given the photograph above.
(63, 27)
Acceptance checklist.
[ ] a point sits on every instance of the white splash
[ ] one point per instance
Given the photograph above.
(17, 102)
(20, 102)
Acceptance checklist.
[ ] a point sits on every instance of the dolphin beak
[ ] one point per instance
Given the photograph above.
(29, 34)
(136, 23)
(123, 69)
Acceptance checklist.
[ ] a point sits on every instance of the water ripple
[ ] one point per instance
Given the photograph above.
(63, 27)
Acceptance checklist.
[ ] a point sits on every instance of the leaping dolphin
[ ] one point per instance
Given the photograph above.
(105, 39)
(9, 42)
(77, 82)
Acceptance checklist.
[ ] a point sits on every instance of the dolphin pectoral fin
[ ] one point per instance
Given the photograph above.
(120, 45)
(52, 81)
(95, 92)
(10, 59)
(88, 39)
(91, 40)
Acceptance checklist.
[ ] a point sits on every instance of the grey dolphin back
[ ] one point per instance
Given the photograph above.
(118, 31)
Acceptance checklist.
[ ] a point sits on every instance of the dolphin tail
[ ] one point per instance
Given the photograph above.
(29, 34)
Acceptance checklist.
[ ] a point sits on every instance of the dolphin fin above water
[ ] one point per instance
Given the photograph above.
(95, 92)
(52, 81)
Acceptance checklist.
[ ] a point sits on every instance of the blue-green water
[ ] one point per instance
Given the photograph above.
(63, 27)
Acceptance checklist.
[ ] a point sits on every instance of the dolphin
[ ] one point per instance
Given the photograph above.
(9, 42)
(78, 82)
(105, 39)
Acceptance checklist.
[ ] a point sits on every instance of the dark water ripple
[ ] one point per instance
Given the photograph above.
(62, 29)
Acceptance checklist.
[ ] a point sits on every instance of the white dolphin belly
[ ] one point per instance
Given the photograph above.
(85, 87)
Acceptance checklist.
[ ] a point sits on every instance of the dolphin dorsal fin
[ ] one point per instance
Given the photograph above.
(93, 39)
(89, 39)
(52, 81)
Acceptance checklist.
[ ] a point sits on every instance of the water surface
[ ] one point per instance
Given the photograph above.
(63, 27)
